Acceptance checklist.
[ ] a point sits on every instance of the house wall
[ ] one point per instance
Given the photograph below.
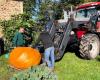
(10, 7)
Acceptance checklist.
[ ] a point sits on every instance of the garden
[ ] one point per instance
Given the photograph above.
(70, 67)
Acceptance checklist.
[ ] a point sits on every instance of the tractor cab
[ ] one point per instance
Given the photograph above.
(85, 11)
(83, 15)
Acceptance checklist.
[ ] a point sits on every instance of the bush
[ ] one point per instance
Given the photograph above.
(35, 73)
(11, 26)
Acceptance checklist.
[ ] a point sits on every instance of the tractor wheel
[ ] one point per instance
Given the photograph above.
(89, 46)
(57, 40)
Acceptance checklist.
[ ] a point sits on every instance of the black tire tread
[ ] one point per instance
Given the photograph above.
(84, 52)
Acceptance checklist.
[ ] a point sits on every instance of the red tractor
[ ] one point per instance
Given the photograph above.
(85, 26)
(90, 36)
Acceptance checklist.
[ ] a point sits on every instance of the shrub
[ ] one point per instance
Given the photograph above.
(11, 26)
(35, 73)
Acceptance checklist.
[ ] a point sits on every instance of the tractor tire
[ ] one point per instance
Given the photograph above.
(89, 46)
(57, 41)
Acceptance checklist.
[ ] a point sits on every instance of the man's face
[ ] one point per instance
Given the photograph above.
(22, 30)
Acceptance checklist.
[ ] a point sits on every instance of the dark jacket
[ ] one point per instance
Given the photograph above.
(45, 38)
(1, 46)
(48, 25)
(18, 39)
(93, 21)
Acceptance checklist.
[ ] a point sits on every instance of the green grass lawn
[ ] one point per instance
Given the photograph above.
(73, 68)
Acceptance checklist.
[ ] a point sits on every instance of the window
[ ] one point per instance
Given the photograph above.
(85, 13)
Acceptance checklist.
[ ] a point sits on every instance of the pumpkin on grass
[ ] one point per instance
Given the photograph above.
(24, 57)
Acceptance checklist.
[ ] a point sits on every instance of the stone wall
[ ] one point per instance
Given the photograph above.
(10, 7)
(2, 2)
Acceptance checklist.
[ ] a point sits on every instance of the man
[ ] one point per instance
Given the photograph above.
(45, 38)
(93, 20)
(49, 23)
(18, 39)
(1, 43)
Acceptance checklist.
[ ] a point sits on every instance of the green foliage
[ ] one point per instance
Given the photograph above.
(95, 0)
(3, 68)
(29, 7)
(40, 72)
(11, 26)
(74, 2)
(50, 9)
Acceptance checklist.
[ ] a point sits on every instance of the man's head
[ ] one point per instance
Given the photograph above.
(21, 30)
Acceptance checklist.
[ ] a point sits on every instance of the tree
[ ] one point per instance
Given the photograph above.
(95, 0)
(74, 2)
(29, 7)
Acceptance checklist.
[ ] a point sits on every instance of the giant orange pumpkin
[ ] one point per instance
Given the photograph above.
(24, 57)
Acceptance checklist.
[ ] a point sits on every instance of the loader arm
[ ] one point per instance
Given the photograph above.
(60, 35)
